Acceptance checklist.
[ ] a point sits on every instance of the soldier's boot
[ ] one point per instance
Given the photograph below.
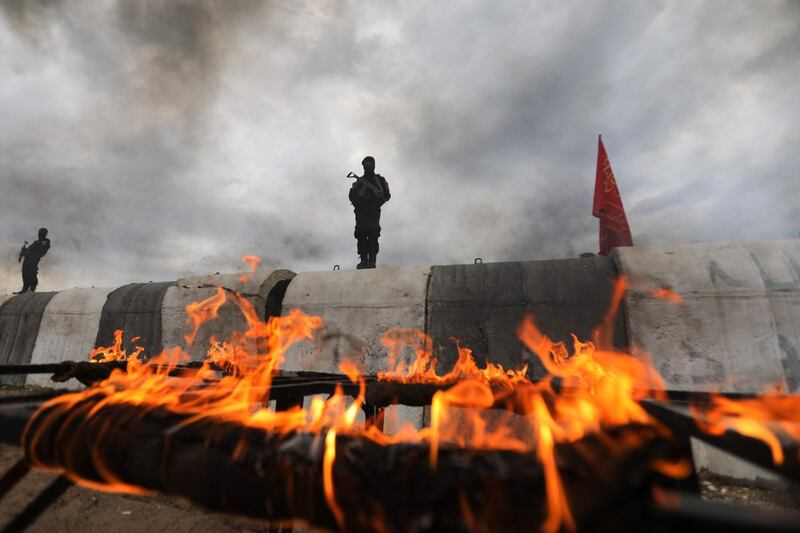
(364, 262)
(371, 258)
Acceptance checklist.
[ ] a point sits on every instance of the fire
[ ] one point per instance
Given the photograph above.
(198, 313)
(760, 418)
(423, 368)
(327, 479)
(115, 352)
(253, 261)
(588, 391)
(662, 293)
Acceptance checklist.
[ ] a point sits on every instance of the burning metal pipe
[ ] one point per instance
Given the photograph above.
(357, 483)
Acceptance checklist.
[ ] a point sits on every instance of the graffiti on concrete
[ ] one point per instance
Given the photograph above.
(716, 272)
(790, 362)
(705, 369)
(772, 285)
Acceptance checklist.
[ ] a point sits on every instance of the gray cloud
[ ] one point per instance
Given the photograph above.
(164, 138)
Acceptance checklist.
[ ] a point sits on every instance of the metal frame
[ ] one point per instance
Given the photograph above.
(288, 389)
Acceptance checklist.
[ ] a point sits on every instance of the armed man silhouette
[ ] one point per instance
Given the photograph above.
(368, 194)
(31, 255)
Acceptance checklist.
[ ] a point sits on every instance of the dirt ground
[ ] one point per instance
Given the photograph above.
(716, 488)
(80, 509)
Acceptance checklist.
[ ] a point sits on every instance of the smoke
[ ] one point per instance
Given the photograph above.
(165, 138)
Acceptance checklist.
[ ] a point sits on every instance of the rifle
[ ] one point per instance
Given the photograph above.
(360, 179)
(22, 251)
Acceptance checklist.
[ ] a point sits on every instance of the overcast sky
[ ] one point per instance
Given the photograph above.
(162, 138)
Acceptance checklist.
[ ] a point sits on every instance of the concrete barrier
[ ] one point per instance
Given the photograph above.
(482, 305)
(358, 307)
(135, 309)
(67, 331)
(257, 288)
(20, 317)
(737, 331)
(739, 327)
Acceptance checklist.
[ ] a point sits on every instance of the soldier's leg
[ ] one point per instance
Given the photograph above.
(27, 277)
(361, 236)
(374, 234)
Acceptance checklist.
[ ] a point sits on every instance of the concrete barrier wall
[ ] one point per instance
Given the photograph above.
(256, 288)
(67, 331)
(358, 307)
(482, 305)
(135, 309)
(20, 317)
(739, 328)
(4, 298)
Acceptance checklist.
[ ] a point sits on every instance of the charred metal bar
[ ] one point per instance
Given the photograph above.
(286, 402)
(50, 368)
(681, 422)
(84, 371)
(227, 467)
(380, 393)
(38, 505)
(13, 476)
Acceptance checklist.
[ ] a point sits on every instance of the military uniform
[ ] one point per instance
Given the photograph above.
(30, 265)
(367, 195)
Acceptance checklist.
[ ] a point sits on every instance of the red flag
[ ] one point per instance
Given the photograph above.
(614, 228)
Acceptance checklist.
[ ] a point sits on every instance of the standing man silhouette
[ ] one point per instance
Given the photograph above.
(367, 195)
(30, 265)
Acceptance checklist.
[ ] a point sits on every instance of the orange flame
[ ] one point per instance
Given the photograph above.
(327, 477)
(604, 388)
(423, 368)
(760, 418)
(198, 313)
(115, 352)
(253, 261)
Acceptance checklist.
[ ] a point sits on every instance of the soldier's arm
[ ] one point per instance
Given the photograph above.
(386, 193)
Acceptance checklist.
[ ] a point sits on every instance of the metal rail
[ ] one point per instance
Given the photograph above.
(288, 389)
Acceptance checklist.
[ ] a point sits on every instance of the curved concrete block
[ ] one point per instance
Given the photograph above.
(358, 306)
(67, 331)
(482, 305)
(256, 288)
(135, 309)
(20, 317)
(739, 327)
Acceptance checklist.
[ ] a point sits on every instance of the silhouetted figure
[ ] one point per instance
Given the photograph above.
(367, 195)
(31, 254)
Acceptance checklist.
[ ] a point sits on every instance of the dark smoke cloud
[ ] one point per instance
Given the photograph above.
(164, 138)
